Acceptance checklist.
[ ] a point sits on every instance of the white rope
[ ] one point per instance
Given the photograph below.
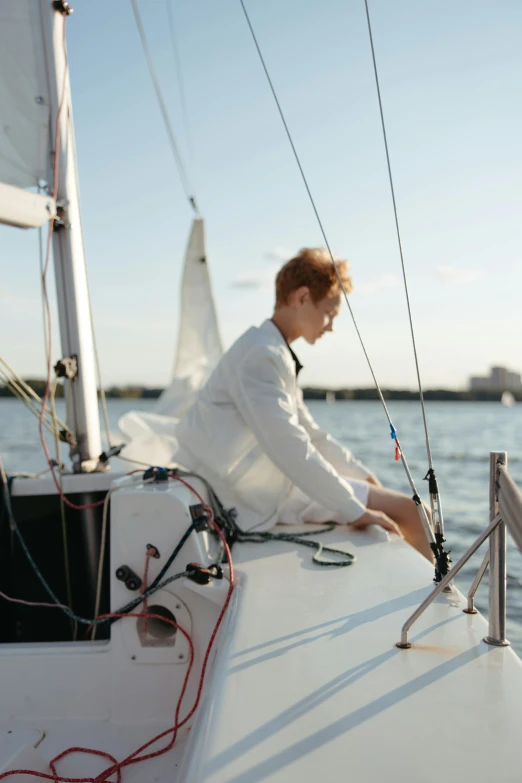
(101, 557)
(67, 568)
(28, 396)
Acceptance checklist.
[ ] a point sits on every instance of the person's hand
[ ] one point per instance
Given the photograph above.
(374, 480)
(377, 518)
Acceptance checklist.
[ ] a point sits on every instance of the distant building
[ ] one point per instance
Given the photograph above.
(499, 379)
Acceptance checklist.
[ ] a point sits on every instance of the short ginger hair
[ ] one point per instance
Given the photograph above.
(312, 267)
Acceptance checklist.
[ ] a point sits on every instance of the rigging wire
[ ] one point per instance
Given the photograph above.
(179, 74)
(422, 512)
(27, 395)
(26, 400)
(399, 240)
(24, 391)
(435, 501)
(189, 191)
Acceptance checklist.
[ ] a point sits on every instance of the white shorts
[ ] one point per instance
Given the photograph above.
(298, 508)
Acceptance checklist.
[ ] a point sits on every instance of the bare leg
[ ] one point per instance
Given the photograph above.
(403, 511)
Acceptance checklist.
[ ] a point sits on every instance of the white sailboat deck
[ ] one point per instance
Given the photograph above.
(314, 685)
(307, 682)
(117, 740)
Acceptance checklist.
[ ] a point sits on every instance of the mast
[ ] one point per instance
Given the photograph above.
(69, 259)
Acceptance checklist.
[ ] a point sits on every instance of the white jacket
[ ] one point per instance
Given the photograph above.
(251, 436)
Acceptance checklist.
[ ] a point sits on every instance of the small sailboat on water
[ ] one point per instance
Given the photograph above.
(508, 399)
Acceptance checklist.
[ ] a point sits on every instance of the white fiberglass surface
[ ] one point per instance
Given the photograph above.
(33, 745)
(308, 681)
(314, 684)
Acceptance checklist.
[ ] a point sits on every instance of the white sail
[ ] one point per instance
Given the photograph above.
(151, 436)
(24, 95)
(199, 342)
(508, 399)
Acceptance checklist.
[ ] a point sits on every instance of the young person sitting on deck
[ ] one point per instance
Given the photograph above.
(250, 435)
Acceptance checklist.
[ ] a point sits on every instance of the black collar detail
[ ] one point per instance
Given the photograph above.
(298, 365)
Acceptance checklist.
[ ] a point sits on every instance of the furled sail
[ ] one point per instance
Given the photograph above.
(23, 208)
(151, 436)
(25, 112)
(199, 342)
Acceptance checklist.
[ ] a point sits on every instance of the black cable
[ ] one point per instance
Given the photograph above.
(153, 588)
(143, 597)
(173, 556)
(226, 519)
(297, 538)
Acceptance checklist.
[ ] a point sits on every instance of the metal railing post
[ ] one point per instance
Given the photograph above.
(404, 643)
(497, 560)
(474, 587)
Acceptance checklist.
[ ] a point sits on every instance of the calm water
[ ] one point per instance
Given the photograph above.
(461, 434)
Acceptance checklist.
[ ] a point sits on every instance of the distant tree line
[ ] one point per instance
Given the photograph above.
(310, 393)
(37, 385)
(118, 392)
(407, 394)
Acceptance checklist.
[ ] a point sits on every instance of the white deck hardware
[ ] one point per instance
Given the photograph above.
(305, 679)
(495, 558)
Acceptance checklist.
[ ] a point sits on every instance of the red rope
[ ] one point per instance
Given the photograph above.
(135, 757)
(116, 767)
(32, 603)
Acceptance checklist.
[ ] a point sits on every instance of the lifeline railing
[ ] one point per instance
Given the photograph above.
(505, 508)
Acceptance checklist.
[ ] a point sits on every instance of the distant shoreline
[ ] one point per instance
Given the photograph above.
(439, 395)
(309, 393)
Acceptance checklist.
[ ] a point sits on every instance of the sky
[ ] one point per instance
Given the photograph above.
(450, 77)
